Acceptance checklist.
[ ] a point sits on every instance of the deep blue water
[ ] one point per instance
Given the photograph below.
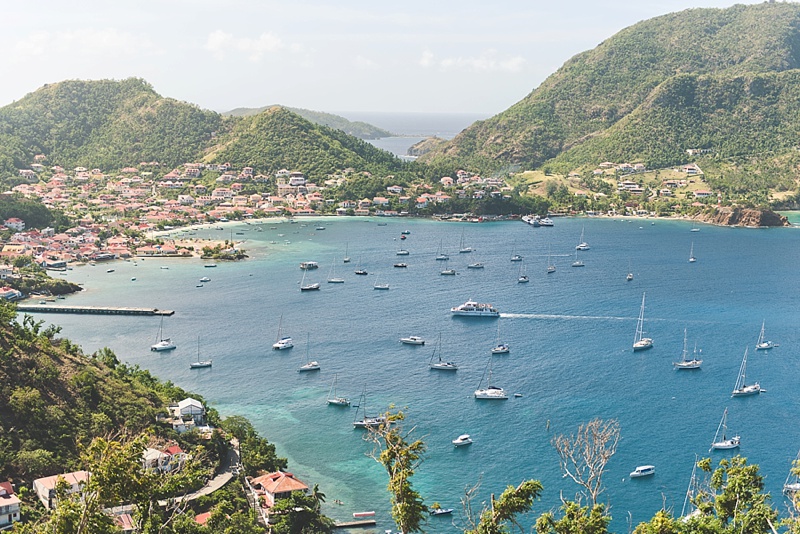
(570, 334)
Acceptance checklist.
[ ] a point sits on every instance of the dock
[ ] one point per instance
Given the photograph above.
(356, 524)
(92, 310)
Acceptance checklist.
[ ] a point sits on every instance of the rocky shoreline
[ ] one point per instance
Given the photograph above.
(745, 217)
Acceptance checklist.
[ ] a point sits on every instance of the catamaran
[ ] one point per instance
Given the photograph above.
(741, 389)
(490, 392)
(162, 343)
(721, 441)
(283, 342)
(582, 245)
(639, 341)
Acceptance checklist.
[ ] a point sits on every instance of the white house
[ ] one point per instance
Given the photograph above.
(9, 505)
(190, 407)
(15, 224)
(45, 488)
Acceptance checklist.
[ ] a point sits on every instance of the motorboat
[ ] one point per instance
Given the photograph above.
(412, 340)
(401, 265)
(448, 272)
(308, 265)
(643, 471)
(546, 221)
(442, 511)
(502, 348)
(205, 279)
(463, 439)
(472, 308)
(476, 265)
(403, 252)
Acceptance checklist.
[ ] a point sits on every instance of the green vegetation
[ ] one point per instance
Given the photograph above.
(34, 213)
(224, 251)
(359, 129)
(718, 79)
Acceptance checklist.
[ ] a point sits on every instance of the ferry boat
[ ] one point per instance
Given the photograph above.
(308, 265)
(475, 309)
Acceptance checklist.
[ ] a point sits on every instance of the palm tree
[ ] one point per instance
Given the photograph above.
(318, 497)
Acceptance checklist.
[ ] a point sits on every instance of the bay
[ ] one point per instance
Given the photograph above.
(570, 334)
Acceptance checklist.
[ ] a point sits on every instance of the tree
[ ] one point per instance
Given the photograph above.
(400, 459)
(512, 502)
(584, 456)
(576, 519)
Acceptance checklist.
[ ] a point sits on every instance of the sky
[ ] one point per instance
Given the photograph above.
(414, 56)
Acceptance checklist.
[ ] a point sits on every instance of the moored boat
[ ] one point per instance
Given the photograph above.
(463, 439)
(643, 471)
(472, 308)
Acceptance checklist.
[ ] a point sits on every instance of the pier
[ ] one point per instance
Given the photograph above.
(356, 524)
(92, 310)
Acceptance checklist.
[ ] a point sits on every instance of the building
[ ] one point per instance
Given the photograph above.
(15, 224)
(276, 486)
(9, 505)
(45, 488)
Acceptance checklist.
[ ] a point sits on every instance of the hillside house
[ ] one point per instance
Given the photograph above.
(9, 505)
(276, 486)
(45, 488)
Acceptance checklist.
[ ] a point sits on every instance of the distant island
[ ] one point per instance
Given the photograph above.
(359, 129)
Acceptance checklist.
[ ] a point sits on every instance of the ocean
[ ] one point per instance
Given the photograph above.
(411, 128)
(570, 335)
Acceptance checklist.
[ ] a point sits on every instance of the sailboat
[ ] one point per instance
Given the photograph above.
(685, 362)
(577, 262)
(689, 509)
(376, 285)
(515, 257)
(694, 227)
(366, 421)
(582, 245)
(441, 256)
(741, 389)
(346, 258)
(722, 442)
(639, 341)
(333, 398)
(282, 342)
(359, 269)
(162, 343)
(332, 278)
(198, 363)
(522, 277)
(692, 259)
(448, 271)
(308, 287)
(629, 277)
(310, 365)
(500, 347)
(763, 344)
(490, 392)
(437, 363)
(550, 267)
(462, 248)
(792, 484)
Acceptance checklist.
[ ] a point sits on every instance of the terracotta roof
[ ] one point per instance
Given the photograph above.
(279, 482)
(72, 479)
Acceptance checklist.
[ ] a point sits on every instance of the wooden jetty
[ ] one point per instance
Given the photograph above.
(92, 310)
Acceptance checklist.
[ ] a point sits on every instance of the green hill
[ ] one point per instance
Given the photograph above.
(721, 79)
(277, 138)
(359, 129)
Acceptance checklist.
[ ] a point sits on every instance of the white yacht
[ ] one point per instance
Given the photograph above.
(308, 265)
(742, 389)
(366, 421)
(582, 245)
(546, 221)
(335, 399)
(685, 362)
(412, 340)
(403, 252)
(764, 344)
(721, 442)
(639, 341)
(437, 363)
(643, 471)
(490, 392)
(463, 439)
(282, 342)
(475, 309)
(162, 343)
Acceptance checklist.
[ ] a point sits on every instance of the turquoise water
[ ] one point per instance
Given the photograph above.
(570, 334)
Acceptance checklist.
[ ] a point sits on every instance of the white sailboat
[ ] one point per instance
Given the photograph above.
(514, 256)
(366, 421)
(629, 276)
(310, 365)
(441, 256)
(198, 363)
(346, 258)
(792, 484)
(685, 362)
(582, 245)
(741, 389)
(692, 259)
(437, 363)
(500, 347)
(282, 342)
(550, 267)
(447, 271)
(763, 344)
(162, 343)
(490, 392)
(577, 262)
(378, 285)
(335, 399)
(721, 442)
(462, 248)
(314, 286)
(689, 509)
(332, 278)
(639, 341)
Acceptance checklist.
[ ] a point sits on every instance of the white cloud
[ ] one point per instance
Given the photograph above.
(487, 61)
(220, 43)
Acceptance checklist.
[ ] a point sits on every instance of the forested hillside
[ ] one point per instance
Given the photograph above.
(722, 79)
(359, 129)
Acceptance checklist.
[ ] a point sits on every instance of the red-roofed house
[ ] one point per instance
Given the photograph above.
(202, 519)
(276, 486)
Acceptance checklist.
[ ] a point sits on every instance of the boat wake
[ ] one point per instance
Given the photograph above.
(555, 316)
